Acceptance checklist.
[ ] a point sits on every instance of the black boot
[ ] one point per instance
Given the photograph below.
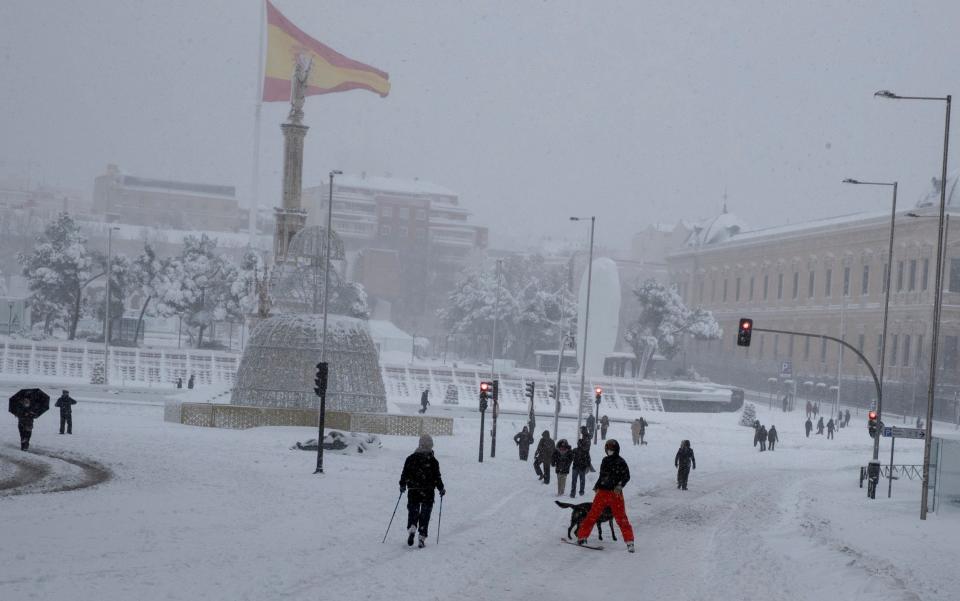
(413, 532)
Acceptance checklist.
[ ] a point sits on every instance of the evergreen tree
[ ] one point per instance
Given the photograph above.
(749, 415)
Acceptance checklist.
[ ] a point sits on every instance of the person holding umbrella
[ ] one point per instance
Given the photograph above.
(27, 405)
(66, 403)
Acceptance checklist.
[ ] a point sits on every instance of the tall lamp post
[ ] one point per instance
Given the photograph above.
(106, 310)
(886, 302)
(322, 368)
(586, 322)
(937, 291)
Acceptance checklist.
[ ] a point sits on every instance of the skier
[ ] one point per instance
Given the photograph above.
(581, 465)
(591, 424)
(424, 400)
(830, 428)
(808, 426)
(762, 435)
(604, 424)
(682, 462)
(772, 437)
(543, 455)
(524, 439)
(562, 458)
(820, 425)
(421, 474)
(635, 431)
(614, 475)
(65, 402)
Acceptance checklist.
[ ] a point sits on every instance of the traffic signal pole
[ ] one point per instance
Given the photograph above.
(320, 389)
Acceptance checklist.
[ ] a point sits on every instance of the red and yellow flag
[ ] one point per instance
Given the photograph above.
(331, 71)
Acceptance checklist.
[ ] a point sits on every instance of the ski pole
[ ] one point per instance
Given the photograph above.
(393, 516)
(439, 517)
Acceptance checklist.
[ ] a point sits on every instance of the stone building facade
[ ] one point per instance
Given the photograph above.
(827, 277)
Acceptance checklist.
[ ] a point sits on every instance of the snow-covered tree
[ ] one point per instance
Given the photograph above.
(662, 322)
(749, 415)
(244, 286)
(145, 275)
(58, 270)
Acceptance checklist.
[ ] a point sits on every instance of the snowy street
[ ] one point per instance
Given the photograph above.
(194, 513)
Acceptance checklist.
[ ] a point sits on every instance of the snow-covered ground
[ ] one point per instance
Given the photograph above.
(195, 513)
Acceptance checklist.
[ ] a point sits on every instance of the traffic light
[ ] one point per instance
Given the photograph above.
(872, 423)
(320, 381)
(553, 391)
(530, 387)
(495, 391)
(484, 394)
(744, 332)
(599, 394)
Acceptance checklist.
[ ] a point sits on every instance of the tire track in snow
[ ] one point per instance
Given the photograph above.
(41, 472)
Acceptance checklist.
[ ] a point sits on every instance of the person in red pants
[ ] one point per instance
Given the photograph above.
(614, 475)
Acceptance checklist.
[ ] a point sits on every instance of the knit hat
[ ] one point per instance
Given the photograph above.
(426, 444)
(612, 445)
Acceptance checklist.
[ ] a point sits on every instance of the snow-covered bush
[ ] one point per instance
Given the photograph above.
(749, 415)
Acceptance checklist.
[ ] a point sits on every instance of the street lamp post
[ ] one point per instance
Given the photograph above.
(586, 323)
(106, 310)
(937, 291)
(326, 307)
(886, 303)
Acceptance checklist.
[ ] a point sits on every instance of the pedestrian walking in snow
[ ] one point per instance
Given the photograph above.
(820, 425)
(190, 382)
(643, 430)
(66, 403)
(561, 462)
(581, 465)
(591, 424)
(604, 424)
(179, 382)
(762, 435)
(846, 417)
(614, 475)
(772, 437)
(524, 439)
(786, 403)
(542, 457)
(808, 426)
(830, 428)
(635, 431)
(25, 426)
(424, 400)
(809, 409)
(420, 476)
(682, 461)
(756, 433)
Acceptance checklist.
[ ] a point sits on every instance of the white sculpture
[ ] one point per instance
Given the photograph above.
(604, 315)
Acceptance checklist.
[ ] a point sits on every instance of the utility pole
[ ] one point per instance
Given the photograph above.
(586, 324)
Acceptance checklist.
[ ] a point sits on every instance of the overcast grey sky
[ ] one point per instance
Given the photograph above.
(637, 112)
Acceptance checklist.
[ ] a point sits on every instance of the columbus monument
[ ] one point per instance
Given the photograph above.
(279, 361)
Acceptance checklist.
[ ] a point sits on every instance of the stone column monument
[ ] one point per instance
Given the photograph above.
(291, 217)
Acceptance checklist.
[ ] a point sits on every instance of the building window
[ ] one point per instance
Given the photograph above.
(906, 350)
(846, 281)
(796, 284)
(737, 291)
(806, 348)
(403, 231)
(386, 213)
(917, 361)
(780, 287)
(865, 282)
(724, 290)
(912, 275)
(924, 273)
(886, 284)
(751, 287)
(384, 230)
(949, 353)
(810, 285)
(823, 350)
(828, 283)
(421, 215)
(893, 349)
(899, 276)
(954, 275)
(766, 280)
(403, 212)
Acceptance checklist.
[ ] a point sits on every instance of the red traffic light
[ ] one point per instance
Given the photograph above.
(747, 324)
(484, 386)
(599, 390)
(872, 415)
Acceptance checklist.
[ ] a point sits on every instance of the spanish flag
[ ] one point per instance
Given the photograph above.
(331, 71)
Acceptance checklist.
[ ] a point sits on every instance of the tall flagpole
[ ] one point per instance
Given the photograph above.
(255, 174)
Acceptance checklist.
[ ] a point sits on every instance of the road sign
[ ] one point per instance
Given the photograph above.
(786, 369)
(895, 432)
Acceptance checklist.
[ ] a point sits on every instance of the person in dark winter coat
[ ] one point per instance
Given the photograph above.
(762, 435)
(420, 476)
(756, 433)
(66, 403)
(424, 400)
(581, 465)
(543, 455)
(820, 425)
(808, 426)
(561, 462)
(635, 431)
(683, 460)
(25, 426)
(604, 424)
(830, 428)
(846, 418)
(643, 430)
(524, 439)
(591, 424)
(772, 437)
(179, 382)
(614, 475)
(190, 382)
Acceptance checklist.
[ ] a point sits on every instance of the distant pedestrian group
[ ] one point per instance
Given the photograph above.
(638, 430)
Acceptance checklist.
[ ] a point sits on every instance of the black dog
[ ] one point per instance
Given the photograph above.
(579, 513)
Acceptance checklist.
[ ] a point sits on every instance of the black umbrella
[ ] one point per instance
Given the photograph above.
(29, 402)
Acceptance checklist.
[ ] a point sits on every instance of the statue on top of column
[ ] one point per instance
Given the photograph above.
(298, 88)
